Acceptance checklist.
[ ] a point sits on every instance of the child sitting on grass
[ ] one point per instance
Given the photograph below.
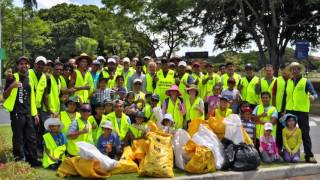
(268, 147)
(139, 127)
(292, 138)
(54, 144)
(248, 124)
(109, 143)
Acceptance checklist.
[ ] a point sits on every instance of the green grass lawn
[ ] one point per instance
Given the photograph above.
(51, 175)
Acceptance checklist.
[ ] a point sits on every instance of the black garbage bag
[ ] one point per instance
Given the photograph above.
(246, 158)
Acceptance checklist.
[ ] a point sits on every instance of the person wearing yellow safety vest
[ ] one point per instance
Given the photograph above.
(110, 72)
(300, 92)
(127, 71)
(139, 127)
(208, 81)
(108, 142)
(264, 113)
(267, 82)
(154, 112)
(175, 106)
(65, 77)
(96, 119)
(146, 61)
(138, 94)
(37, 71)
(120, 122)
(134, 62)
(197, 74)
(194, 105)
(19, 100)
(54, 144)
(150, 77)
(80, 78)
(164, 80)
(247, 86)
(230, 73)
(222, 69)
(70, 114)
(183, 79)
(80, 130)
(279, 99)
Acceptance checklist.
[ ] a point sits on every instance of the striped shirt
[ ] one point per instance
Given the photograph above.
(249, 126)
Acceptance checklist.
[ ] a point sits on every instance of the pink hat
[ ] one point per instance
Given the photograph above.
(173, 88)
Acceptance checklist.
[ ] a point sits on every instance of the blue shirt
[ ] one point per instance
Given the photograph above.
(74, 126)
(309, 87)
(111, 139)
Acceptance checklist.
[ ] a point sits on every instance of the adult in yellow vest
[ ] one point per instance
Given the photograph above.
(300, 92)
(127, 71)
(194, 104)
(146, 61)
(197, 74)
(183, 79)
(222, 69)
(66, 75)
(37, 71)
(80, 79)
(54, 144)
(264, 113)
(110, 72)
(266, 83)
(165, 79)
(133, 62)
(137, 75)
(19, 100)
(230, 73)
(175, 106)
(208, 81)
(80, 130)
(120, 122)
(247, 86)
(139, 96)
(279, 100)
(150, 76)
(70, 114)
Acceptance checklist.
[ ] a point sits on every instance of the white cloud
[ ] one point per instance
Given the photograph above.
(45, 4)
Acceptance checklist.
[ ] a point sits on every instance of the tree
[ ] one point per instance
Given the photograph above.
(86, 45)
(270, 24)
(30, 3)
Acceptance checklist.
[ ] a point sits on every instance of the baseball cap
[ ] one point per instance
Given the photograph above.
(107, 124)
(101, 58)
(23, 58)
(126, 59)
(96, 62)
(137, 80)
(111, 60)
(41, 58)
(267, 126)
(155, 97)
(182, 63)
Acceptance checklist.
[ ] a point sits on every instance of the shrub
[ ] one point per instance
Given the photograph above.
(5, 150)
(18, 170)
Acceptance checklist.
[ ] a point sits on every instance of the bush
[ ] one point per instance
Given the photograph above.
(18, 170)
(5, 150)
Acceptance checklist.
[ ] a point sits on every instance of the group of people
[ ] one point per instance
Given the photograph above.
(108, 102)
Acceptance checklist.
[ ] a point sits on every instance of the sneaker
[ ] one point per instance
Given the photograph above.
(311, 160)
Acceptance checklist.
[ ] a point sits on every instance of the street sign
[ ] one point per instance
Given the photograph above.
(2, 53)
(302, 49)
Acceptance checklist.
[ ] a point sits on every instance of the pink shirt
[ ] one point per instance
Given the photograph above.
(213, 102)
(269, 147)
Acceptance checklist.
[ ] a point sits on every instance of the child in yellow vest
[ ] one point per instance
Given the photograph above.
(54, 144)
(222, 110)
(167, 124)
(139, 126)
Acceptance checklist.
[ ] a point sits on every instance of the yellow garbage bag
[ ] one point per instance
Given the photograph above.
(125, 164)
(194, 125)
(85, 168)
(246, 137)
(139, 148)
(152, 126)
(158, 161)
(217, 126)
(202, 160)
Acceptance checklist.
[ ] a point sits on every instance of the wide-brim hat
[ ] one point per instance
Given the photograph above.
(192, 87)
(107, 124)
(84, 56)
(168, 117)
(283, 119)
(296, 64)
(173, 88)
(52, 122)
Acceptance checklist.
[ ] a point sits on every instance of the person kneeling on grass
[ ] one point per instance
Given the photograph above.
(109, 143)
(54, 144)
(268, 147)
(292, 138)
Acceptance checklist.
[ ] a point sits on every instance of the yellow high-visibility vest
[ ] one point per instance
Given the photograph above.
(297, 98)
(55, 151)
(174, 110)
(66, 121)
(192, 113)
(225, 77)
(268, 118)
(83, 81)
(164, 83)
(248, 91)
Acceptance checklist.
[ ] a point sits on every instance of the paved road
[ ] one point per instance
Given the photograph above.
(314, 125)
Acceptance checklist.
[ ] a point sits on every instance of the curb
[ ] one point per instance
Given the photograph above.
(300, 169)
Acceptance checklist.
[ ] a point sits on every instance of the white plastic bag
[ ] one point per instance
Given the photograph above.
(205, 137)
(181, 137)
(233, 130)
(89, 151)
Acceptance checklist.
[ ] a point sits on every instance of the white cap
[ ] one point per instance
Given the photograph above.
(101, 58)
(168, 116)
(41, 58)
(147, 57)
(137, 80)
(267, 126)
(107, 124)
(126, 59)
(96, 62)
(52, 122)
(111, 60)
(182, 63)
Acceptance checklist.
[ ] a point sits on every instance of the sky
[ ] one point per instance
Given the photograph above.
(207, 46)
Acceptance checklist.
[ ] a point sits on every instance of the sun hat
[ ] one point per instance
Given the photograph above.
(283, 119)
(296, 64)
(182, 63)
(173, 88)
(52, 122)
(107, 124)
(168, 117)
(83, 56)
(268, 126)
(41, 59)
(193, 87)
